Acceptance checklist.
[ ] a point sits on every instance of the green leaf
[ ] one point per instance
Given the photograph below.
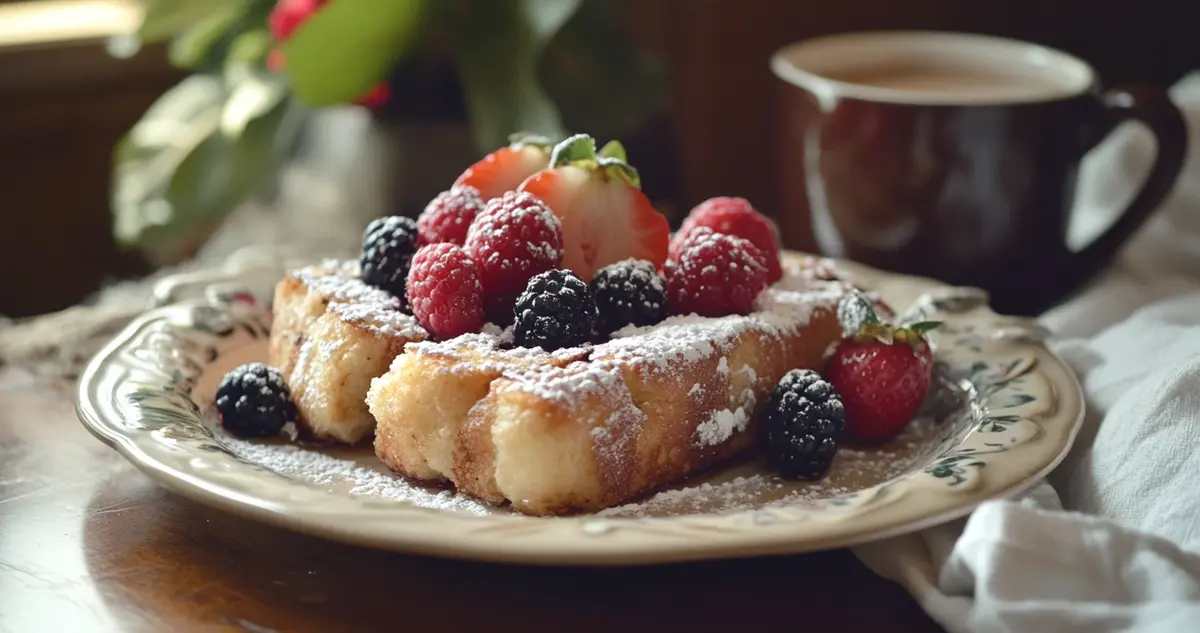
(613, 149)
(855, 312)
(597, 77)
(249, 100)
(163, 19)
(922, 327)
(197, 153)
(498, 44)
(248, 49)
(579, 147)
(349, 46)
(622, 170)
(193, 48)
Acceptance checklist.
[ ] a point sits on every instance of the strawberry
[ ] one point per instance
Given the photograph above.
(287, 16)
(883, 371)
(598, 198)
(504, 169)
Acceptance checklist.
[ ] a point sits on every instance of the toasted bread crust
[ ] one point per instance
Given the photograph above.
(585, 429)
(330, 336)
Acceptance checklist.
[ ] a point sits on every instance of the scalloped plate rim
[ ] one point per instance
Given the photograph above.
(582, 550)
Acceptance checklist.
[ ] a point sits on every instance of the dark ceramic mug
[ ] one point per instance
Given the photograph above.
(955, 156)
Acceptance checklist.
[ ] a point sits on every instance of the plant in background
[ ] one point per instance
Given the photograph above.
(259, 67)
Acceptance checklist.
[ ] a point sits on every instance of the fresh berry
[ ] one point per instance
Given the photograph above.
(375, 97)
(883, 371)
(605, 216)
(506, 168)
(288, 15)
(254, 401)
(804, 421)
(448, 216)
(514, 238)
(445, 292)
(734, 216)
(555, 311)
(716, 275)
(629, 292)
(389, 244)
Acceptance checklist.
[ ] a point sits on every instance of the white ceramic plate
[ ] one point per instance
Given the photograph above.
(1004, 412)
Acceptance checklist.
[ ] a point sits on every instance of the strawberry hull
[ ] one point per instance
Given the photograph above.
(604, 214)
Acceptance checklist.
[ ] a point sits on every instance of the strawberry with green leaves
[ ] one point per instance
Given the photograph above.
(506, 168)
(882, 370)
(598, 198)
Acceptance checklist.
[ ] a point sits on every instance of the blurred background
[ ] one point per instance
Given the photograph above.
(123, 153)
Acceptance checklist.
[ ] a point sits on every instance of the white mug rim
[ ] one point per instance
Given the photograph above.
(793, 63)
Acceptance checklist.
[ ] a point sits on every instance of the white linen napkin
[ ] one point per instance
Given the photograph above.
(1112, 541)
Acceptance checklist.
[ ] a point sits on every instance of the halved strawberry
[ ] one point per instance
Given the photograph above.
(598, 198)
(504, 169)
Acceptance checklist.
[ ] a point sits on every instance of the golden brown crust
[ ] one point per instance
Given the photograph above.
(586, 429)
(330, 336)
(432, 390)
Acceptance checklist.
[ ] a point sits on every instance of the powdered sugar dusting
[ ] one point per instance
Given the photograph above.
(491, 350)
(574, 382)
(356, 302)
(669, 346)
(349, 476)
(751, 487)
(724, 423)
(721, 426)
(691, 338)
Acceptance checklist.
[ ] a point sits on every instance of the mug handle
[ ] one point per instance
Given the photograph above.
(1153, 107)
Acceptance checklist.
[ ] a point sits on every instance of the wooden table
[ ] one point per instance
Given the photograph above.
(88, 543)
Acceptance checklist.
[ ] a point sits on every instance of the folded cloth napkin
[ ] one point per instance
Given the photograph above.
(1111, 542)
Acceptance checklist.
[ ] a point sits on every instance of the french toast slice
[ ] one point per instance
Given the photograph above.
(331, 334)
(587, 428)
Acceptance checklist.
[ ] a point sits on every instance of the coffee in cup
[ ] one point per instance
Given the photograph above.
(955, 156)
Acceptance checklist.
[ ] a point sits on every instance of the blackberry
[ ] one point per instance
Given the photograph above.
(388, 247)
(804, 421)
(629, 292)
(555, 311)
(254, 401)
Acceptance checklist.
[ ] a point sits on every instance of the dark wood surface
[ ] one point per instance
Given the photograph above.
(89, 543)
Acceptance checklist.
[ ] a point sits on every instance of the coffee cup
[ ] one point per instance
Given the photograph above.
(955, 156)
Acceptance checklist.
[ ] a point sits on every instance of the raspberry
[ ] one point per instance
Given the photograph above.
(515, 237)
(254, 401)
(716, 275)
(448, 216)
(804, 420)
(733, 216)
(388, 247)
(629, 292)
(444, 290)
(555, 311)
(288, 15)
